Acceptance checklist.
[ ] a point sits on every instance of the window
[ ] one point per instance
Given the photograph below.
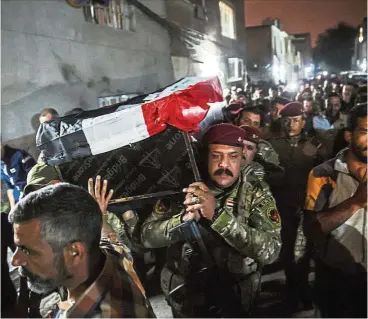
(200, 12)
(116, 14)
(110, 100)
(235, 69)
(227, 20)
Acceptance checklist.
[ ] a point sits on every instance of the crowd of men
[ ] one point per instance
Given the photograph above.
(284, 179)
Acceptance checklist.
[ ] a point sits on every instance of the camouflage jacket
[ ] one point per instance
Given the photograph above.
(266, 161)
(254, 170)
(244, 235)
(266, 155)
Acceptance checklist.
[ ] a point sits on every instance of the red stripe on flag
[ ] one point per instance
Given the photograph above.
(184, 109)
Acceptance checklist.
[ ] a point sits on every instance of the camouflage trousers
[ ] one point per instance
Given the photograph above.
(195, 301)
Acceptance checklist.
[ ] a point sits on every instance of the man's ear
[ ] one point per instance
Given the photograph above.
(348, 135)
(303, 123)
(75, 253)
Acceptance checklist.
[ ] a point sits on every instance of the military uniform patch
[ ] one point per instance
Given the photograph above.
(268, 208)
(160, 208)
(229, 203)
(274, 216)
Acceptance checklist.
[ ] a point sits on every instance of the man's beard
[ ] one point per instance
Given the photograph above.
(358, 151)
(40, 285)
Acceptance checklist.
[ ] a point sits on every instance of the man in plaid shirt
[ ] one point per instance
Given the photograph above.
(57, 231)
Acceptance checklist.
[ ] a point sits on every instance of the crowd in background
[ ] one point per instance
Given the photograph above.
(288, 135)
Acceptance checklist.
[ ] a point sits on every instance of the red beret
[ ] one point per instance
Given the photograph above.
(292, 109)
(225, 134)
(251, 133)
(280, 100)
(235, 108)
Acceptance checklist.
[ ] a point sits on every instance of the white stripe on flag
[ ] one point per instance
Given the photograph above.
(111, 131)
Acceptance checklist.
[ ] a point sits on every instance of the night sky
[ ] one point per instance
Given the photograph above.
(299, 16)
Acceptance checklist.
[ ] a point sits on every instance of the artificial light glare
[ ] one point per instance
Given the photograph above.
(292, 87)
(210, 67)
(282, 71)
(308, 69)
(360, 35)
(325, 73)
(363, 66)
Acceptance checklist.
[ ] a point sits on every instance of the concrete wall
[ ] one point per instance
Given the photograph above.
(259, 45)
(271, 49)
(208, 53)
(182, 13)
(259, 52)
(51, 57)
(302, 43)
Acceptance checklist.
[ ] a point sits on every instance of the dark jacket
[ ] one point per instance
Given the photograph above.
(14, 169)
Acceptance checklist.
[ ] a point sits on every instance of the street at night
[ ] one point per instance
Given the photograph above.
(184, 159)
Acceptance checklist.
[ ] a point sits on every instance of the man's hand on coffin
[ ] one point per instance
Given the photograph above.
(200, 199)
(99, 194)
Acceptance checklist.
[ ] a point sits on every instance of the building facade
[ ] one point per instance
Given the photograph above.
(359, 60)
(55, 55)
(271, 55)
(302, 43)
(212, 39)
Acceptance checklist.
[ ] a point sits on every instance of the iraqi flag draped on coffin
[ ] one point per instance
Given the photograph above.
(138, 146)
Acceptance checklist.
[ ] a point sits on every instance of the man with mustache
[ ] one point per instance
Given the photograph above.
(331, 118)
(239, 223)
(336, 224)
(298, 154)
(60, 232)
(272, 119)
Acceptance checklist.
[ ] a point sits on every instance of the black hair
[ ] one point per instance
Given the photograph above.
(333, 94)
(354, 85)
(356, 113)
(251, 109)
(74, 111)
(67, 214)
(50, 110)
(241, 93)
(228, 99)
(339, 142)
(280, 100)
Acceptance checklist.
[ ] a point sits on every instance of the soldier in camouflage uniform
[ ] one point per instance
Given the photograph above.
(251, 139)
(239, 224)
(298, 155)
(259, 158)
